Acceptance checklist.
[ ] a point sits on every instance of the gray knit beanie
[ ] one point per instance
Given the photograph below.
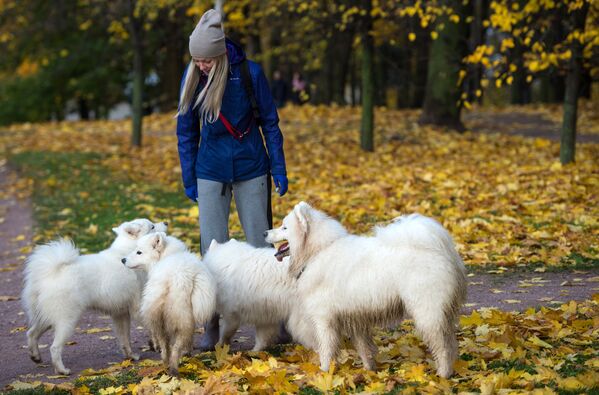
(208, 39)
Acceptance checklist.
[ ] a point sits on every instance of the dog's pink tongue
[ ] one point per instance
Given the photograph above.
(280, 254)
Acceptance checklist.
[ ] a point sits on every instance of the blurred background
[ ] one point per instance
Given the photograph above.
(87, 59)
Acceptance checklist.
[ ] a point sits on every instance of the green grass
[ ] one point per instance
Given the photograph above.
(39, 390)
(575, 365)
(95, 384)
(309, 391)
(73, 191)
(506, 366)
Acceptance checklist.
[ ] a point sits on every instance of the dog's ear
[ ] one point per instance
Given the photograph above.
(159, 242)
(132, 229)
(302, 214)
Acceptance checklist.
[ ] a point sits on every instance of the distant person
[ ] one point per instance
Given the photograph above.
(298, 88)
(221, 148)
(279, 89)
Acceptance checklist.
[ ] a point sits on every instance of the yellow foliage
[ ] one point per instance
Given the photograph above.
(27, 68)
(505, 199)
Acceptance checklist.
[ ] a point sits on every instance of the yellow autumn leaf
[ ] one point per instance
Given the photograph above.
(326, 381)
(535, 340)
(98, 330)
(221, 353)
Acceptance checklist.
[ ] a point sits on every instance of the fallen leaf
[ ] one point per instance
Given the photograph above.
(98, 330)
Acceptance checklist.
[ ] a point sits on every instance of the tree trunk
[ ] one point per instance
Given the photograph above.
(172, 66)
(342, 65)
(573, 78)
(552, 87)
(138, 76)
(520, 89)
(83, 108)
(476, 39)
(266, 45)
(367, 94)
(445, 60)
(352, 80)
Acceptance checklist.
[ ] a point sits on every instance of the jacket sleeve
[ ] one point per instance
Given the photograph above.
(188, 138)
(270, 124)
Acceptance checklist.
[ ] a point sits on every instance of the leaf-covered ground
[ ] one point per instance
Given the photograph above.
(545, 351)
(506, 200)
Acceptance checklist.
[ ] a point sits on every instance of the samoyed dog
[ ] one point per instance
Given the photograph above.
(253, 289)
(180, 293)
(347, 284)
(60, 284)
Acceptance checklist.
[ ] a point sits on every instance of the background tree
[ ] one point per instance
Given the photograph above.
(550, 37)
(443, 89)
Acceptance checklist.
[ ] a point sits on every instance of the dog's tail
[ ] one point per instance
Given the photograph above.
(47, 259)
(43, 264)
(203, 297)
(416, 230)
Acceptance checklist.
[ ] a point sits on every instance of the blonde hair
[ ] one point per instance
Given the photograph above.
(211, 97)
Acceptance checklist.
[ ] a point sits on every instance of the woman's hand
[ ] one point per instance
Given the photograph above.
(281, 183)
(192, 192)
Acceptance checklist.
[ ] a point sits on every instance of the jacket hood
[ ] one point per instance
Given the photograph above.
(234, 52)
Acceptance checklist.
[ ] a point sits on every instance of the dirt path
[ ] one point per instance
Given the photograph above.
(522, 123)
(508, 291)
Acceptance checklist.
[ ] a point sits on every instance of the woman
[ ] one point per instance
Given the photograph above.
(225, 156)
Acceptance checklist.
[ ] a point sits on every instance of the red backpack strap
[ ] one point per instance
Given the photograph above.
(233, 131)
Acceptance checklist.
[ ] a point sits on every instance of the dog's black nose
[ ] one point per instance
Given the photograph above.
(124, 260)
(265, 233)
(165, 223)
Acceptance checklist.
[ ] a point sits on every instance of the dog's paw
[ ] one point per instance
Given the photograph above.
(35, 359)
(63, 371)
(207, 345)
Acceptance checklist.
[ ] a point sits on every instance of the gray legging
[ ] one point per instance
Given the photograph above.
(253, 206)
(252, 201)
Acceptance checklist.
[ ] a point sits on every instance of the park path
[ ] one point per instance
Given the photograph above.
(513, 290)
(522, 123)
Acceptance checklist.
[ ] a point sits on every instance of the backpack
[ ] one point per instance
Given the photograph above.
(249, 89)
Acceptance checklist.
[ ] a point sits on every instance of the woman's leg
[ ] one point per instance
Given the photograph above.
(252, 198)
(214, 202)
(252, 201)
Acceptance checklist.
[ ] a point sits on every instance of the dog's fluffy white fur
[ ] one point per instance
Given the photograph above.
(180, 293)
(347, 284)
(60, 284)
(253, 289)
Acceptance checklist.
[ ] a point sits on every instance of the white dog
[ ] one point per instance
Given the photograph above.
(60, 285)
(348, 284)
(253, 289)
(180, 292)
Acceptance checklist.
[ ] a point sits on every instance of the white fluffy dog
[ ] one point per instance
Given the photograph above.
(180, 292)
(60, 285)
(253, 289)
(347, 284)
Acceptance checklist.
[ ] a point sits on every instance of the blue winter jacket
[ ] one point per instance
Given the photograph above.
(218, 156)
